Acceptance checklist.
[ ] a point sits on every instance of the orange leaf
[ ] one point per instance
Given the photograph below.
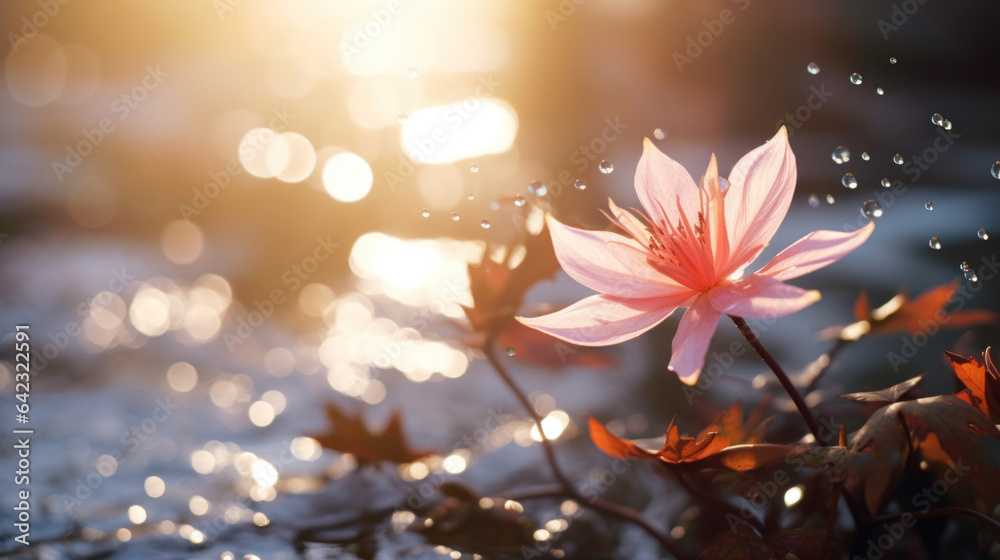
(349, 434)
(982, 381)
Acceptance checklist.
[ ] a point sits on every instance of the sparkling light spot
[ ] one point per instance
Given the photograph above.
(347, 177)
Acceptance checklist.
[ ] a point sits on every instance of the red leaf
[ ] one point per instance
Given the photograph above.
(349, 434)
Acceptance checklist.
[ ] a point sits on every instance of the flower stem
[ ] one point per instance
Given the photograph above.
(744, 328)
(565, 487)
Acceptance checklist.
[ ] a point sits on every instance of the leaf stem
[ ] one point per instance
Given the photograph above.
(744, 328)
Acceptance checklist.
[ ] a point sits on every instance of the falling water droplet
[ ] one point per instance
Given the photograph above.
(401, 119)
(995, 170)
(411, 72)
(982, 234)
(879, 91)
(474, 168)
(812, 68)
(455, 217)
(935, 243)
(871, 209)
(946, 124)
(425, 213)
(659, 134)
(929, 205)
(494, 205)
(813, 200)
(849, 181)
(471, 197)
(579, 184)
(484, 223)
(538, 188)
(892, 60)
(511, 351)
(886, 182)
(865, 156)
(519, 200)
(830, 199)
(937, 119)
(856, 78)
(897, 159)
(970, 274)
(840, 155)
(605, 166)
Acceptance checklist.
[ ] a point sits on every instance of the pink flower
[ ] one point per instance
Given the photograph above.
(690, 250)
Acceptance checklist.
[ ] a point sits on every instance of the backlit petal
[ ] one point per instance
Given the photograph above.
(660, 182)
(690, 344)
(604, 320)
(761, 296)
(760, 190)
(591, 258)
(815, 251)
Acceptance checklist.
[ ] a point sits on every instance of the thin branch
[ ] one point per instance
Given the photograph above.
(741, 324)
(566, 487)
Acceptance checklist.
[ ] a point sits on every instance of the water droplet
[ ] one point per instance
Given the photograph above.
(812, 68)
(929, 205)
(484, 223)
(411, 72)
(871, 209)
(455, 217)
(970, 274)
(659, 134)
(511, 351)
(879, 91)
(605, 166)
(897, 159)
(946, 124)
(538, 188)
(982, 234)
(425, 213)
(830, 199)
(519, 200)
(885, 182)
(474, 168)
(471, 197)
(813, 200)
(856, 78)
(840, 155)
(995, 170)
(579, 184)
(494, 205)
(937, 119)
(935, 243)
(849, 181)
(892, 60)
(401, 119)
(865, 156)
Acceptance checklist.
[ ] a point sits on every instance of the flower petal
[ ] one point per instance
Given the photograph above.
(602, 320)
(760, 190)
(815, 251)
(662, 184)
(761, 296)
(625, 220)
(690, 344)
(591, 258)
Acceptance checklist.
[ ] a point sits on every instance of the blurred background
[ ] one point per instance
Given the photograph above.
(252, 208)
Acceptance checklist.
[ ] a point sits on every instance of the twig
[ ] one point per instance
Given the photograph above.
(741, 324)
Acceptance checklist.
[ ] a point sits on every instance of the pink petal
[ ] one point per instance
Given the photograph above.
(761, 296)
(760, 190)
(691, 341)
(632, 225)
(604, 320)
(659, 181)
(593, 259)
(815, 251)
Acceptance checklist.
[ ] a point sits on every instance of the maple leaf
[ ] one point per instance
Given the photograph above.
(941, 427)
(349, 434)
(889, 395)
(728, 443)
(982, 381)
(497, 290)
(925, 314)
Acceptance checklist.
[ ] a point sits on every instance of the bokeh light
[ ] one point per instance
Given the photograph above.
(347, 177)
